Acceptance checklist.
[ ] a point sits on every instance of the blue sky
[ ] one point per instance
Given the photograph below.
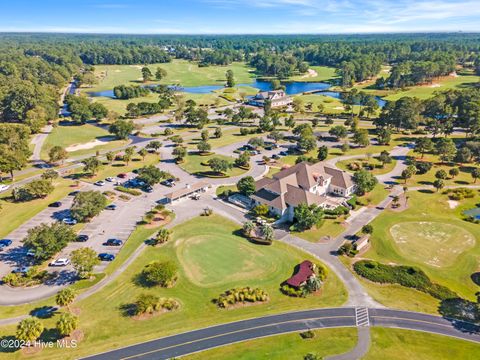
(239, 16)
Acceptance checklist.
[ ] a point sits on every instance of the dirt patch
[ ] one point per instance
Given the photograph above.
(452, 204)
(90, 145)
(158, 221)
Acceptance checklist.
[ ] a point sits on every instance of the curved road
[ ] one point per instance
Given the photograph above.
(225, 334)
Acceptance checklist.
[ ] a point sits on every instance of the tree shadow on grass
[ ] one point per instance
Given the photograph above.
(128, 310)
(44, 312)
(461, 313)
(426, 191)
(461, 182)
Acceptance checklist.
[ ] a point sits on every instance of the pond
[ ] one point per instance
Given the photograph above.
(475, 212)
(291, 88)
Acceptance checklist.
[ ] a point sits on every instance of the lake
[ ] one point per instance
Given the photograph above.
(475, 212)
(291, 88)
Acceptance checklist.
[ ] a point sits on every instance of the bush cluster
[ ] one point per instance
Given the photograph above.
(460, 193)
(149, 304)
(241, 295)
(407, 276)
(133, 192)
(32, 277)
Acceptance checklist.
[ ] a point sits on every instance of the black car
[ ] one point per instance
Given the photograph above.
(73, 193)
(148, 189)
(275, 156)
(55, 204)
(82, 238)
(167, 183)
(106, 257)
(283, 153)
(111, 207)
(113, 242)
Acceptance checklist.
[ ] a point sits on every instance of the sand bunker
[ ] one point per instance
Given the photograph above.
(89, 145)
(310, 73)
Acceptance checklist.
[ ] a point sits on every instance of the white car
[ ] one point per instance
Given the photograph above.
(110, 179)
(60, 262)
(4, 187)
(100, 183)
(69, 221)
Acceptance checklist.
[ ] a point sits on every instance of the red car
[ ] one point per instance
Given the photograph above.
(122, 176)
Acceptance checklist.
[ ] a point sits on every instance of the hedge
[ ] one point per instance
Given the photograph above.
(133, 192)
(407, 276)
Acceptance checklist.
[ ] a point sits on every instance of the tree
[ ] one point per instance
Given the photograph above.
(160, 273)
(464, 155)
(88, 204)
(446, 149)
(339, 132)
(33, 190)
(121, 129)
(438, 184)
(275, 136)
(65, 297)
(367, 229)
(29, 330)
(307, 216)
(83, 261)
(441, 174)
(230, 79)
(345, 147)
(203, 147)
(360, 137)
(151, 175)
(384, 136)
(364, 181)
(454, 172)
(261, 210)
(247, 228)
(66, 324)
(146, 74)
(243, 160)
(290, 122)
(57, 153)
(47, 240)
(246, 185)
(219, 165)
(179, 152)
(127, 156)
(92, 165)
(99, 111)
(110, 156)
(218, 133)
(204, 135)
(143, 152)
(163, 235)
(322, 153)
(298, 105)
(384, 158)
(307, 143)
(267, 232)
(409, 172)
(160, 73)
(475, 174)
(423, 145)
(50, 175)
(155, 145)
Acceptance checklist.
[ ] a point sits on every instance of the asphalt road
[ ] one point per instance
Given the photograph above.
(221, 335)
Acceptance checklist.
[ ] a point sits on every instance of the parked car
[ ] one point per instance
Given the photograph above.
(275, 156)
(148, 189)
(106, 257)
(113, 242)
(69, 221)
(5, 243)
(110, 179)
(82, 238)
(122, 176)
(30, 253)
(99, 183)
(283, 153)
(21, 270)
(60, 262)
(111, 207)
(168, 183)
(4, 187)
(73, 193)
(55, 204)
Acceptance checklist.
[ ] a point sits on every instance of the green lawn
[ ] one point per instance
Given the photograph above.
(373, 161)
(290, 346)
(13, 214)
(323, 73)
(193, 164)
(451, 259)
(70, 135)
(397, 344)
(375, 196)
(101, 317)
(328, 227)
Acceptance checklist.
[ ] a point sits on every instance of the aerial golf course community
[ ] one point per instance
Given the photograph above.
(239, 197)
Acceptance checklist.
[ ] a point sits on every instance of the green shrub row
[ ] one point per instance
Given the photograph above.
(407, 276)
(133, 192)
(241, 295)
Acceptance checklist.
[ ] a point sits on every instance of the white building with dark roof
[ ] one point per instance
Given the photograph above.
(277, 98)
(303, 183)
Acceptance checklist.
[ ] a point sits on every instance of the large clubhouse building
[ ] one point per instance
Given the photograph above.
(307, 183)
(277, 98)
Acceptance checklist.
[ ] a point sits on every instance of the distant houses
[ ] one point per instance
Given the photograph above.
(277, 98)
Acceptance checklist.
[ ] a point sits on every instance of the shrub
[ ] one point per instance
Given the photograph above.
(160, 273)
(309, 334)
(133, 192)
(291, 291)
(240, 295)
(149, 304)
(460, 193)
(407, 276)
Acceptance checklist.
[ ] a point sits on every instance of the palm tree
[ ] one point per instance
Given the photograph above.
(29, 330)
(143, 152)
(248, 227)
(267, 232)
(163, 236)
(66, 324)
(65, 297)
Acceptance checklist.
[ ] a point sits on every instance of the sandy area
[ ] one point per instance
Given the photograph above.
(310, 73)
(117, 71)
(452, 204)
(89, 145)
(339, 108)
(435, 85)
(136, 67)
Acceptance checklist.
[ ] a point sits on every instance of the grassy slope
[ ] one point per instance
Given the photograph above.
(193, 164)
(396, 344)
(101, 319)
(289, 346)
(324, 73)
(429, 207)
